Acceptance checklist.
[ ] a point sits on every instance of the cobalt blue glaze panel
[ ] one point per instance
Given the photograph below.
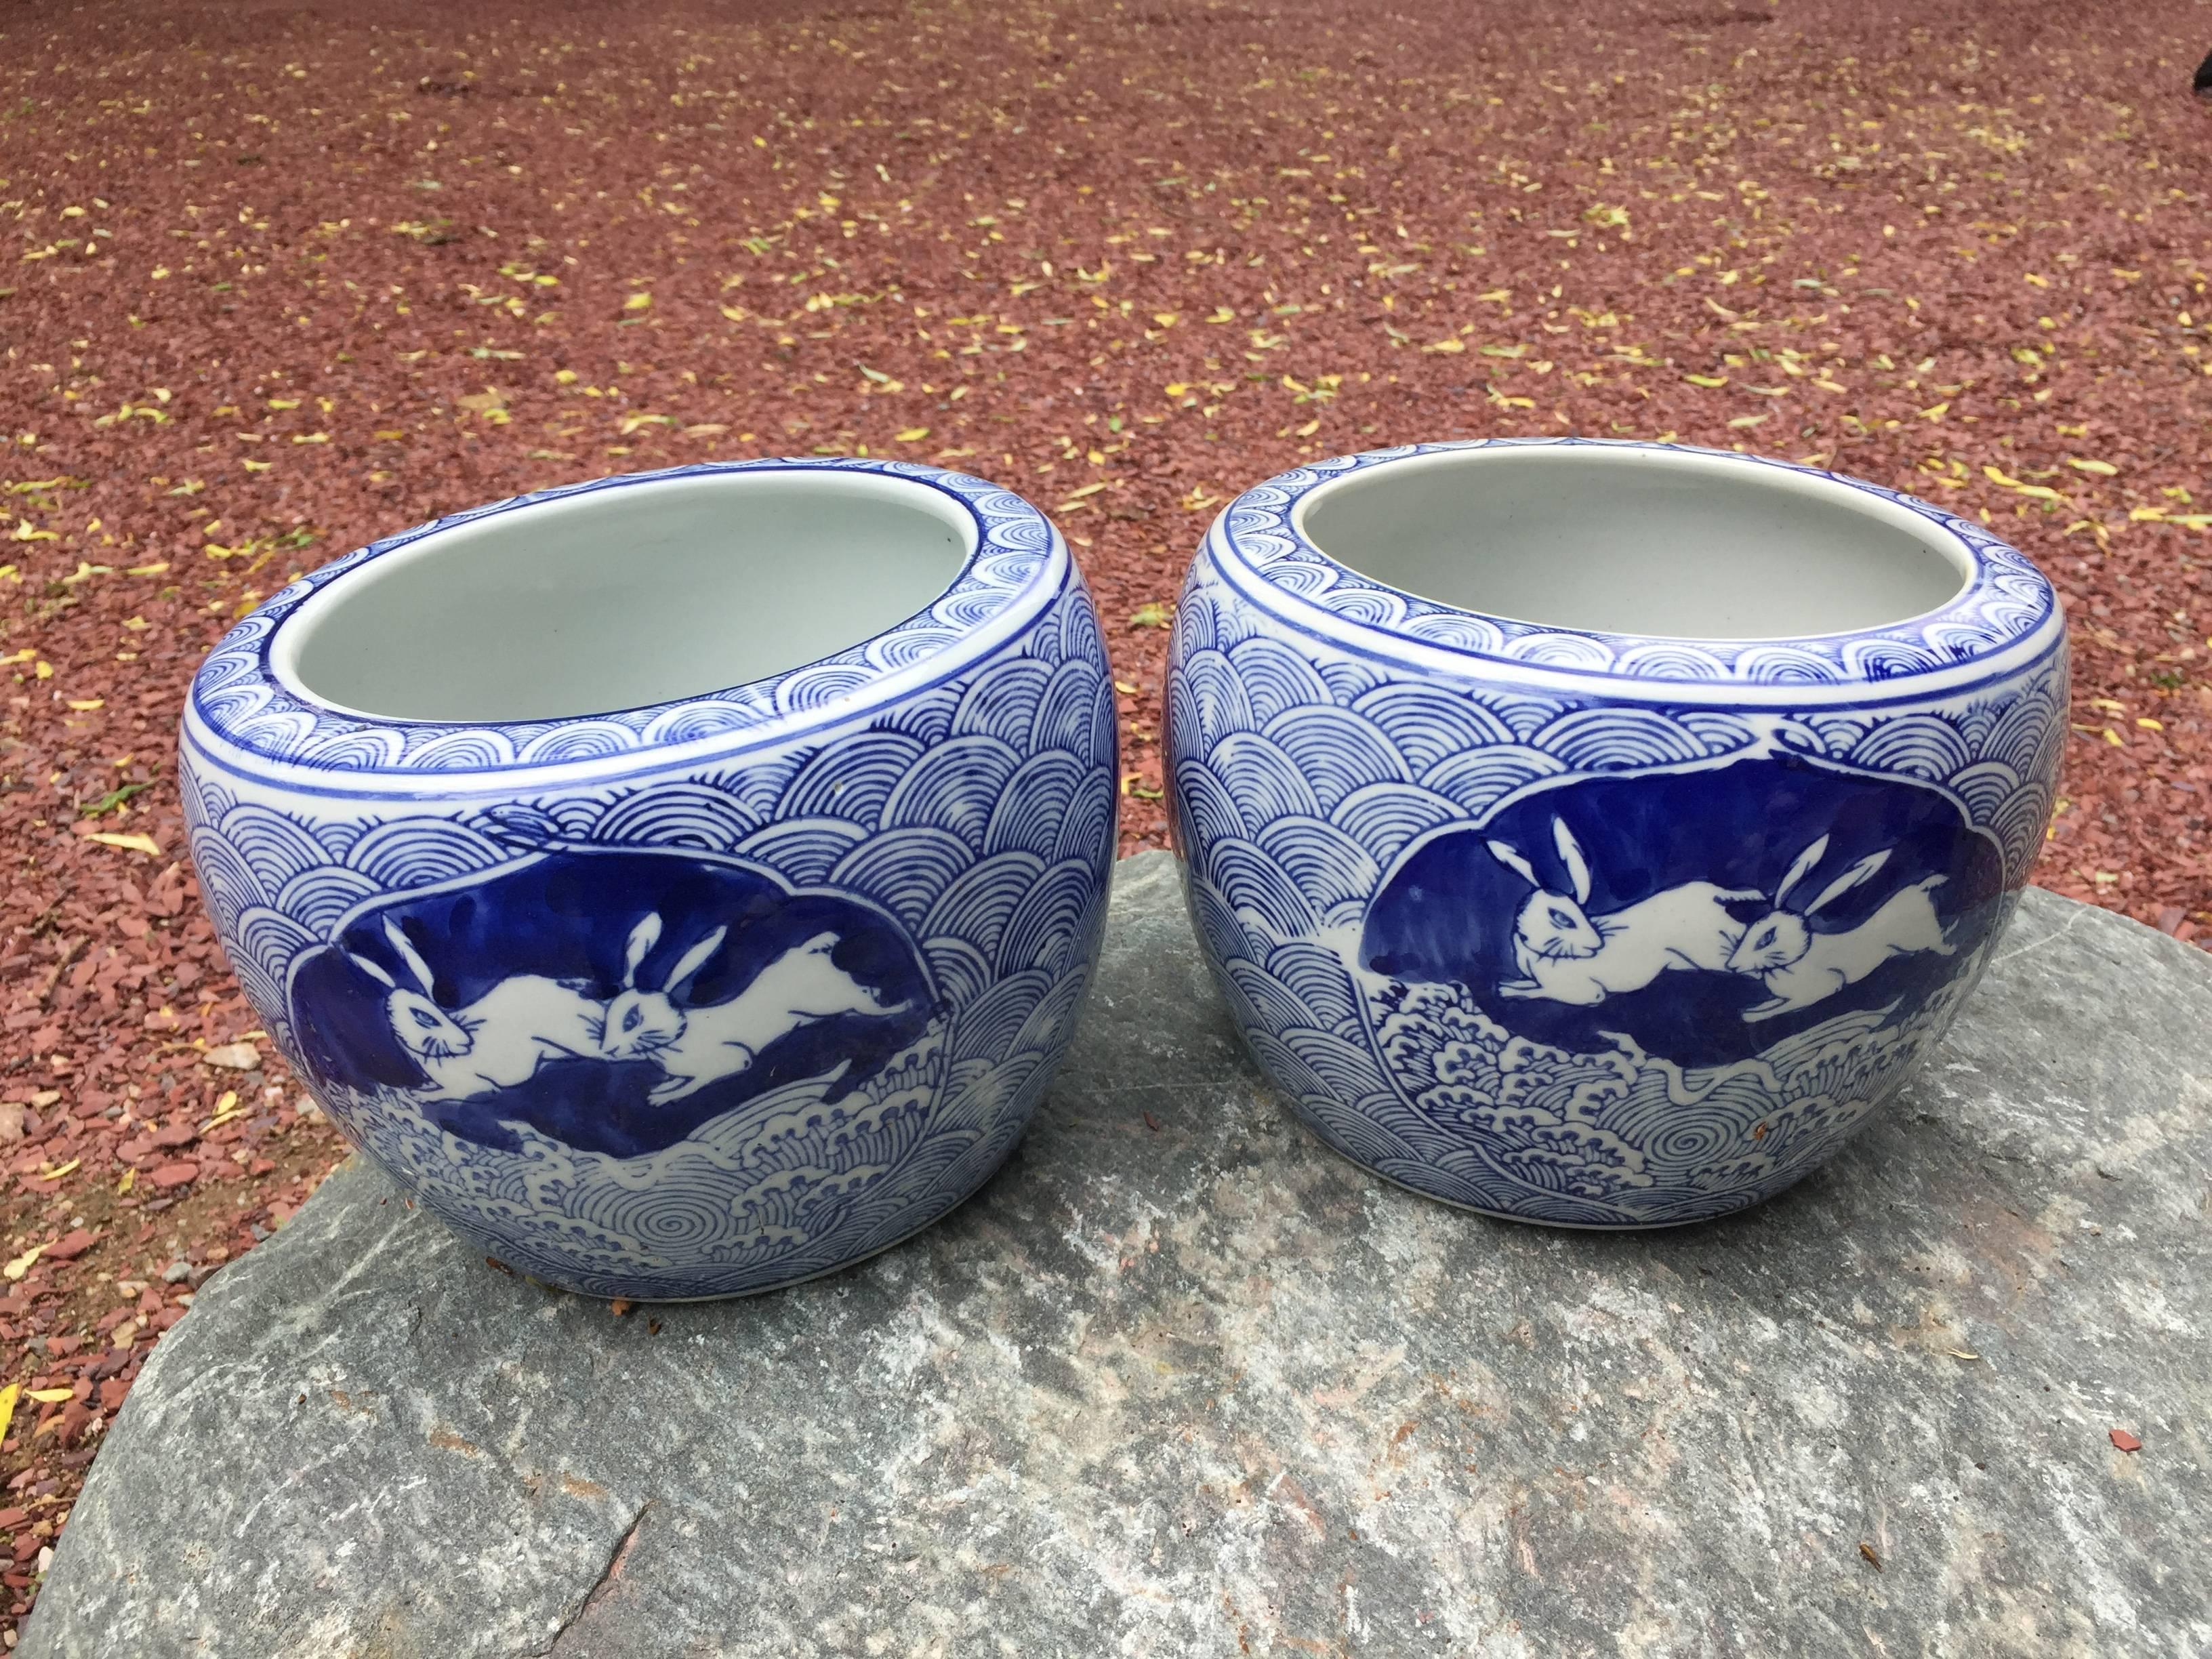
(1454, 913)
(706, 998)
(1583, 929)
(567, 916)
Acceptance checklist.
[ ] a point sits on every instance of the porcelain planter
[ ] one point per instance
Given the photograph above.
(648, 987)
(1596, 833)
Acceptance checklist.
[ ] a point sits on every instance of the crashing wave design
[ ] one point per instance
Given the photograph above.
(1283, 863)
(990, 840)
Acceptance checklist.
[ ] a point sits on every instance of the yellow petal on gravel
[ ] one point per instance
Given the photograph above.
(2102, 469)
(1706, 379)
(913, 434)
(129, 843)
(51, 1396)
(7, 1406)
(18, 1266)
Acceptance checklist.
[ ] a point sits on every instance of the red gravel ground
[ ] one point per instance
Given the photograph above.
(288, 276)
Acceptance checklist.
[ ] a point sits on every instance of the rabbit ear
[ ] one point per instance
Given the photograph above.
(372, 970)
(1803, 868)
(696, 958)
(408, 954)
(1513, 862)
(643, 939)
(1850, 879)
(1570, 851)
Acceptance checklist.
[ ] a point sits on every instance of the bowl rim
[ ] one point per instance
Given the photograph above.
(245, 717)
(2005, 615)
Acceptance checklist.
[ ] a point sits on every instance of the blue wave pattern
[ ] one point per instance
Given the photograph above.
(1302, 774)
(980, 813)
(238, 697)
(2007, 600)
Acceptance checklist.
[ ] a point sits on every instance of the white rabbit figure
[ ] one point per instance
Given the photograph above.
(801, 985)
(1800, 967)
(495, 1042)
(1565, 956)
(639, 1022)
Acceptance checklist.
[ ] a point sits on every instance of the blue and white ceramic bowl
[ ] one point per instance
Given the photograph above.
(1596, 833)
(682, 884)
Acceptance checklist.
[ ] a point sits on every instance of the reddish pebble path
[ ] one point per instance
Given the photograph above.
(287, 276)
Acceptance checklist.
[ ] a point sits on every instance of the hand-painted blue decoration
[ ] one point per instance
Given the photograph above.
(1624, 937)
(1683, 911)
(558, 994)
(699, 1000)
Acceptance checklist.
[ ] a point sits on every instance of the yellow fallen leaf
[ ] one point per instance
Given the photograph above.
(2102, 469)
(1308, 429)
(1165, 318)
(735, 313)
(1936, 411)
(1496, 296)
(1706, 379)
(1449, 345)
(45, 670)
(913, 434)
(27, 532)
(20, 1264)
(129, 1180)
(129, 843)
(2146, 515)
(1747, 420)
(257, 466)
(85, 706)
(1222, 314)
(55, 1174)
(638, 303)
(154, 570)
(1176, 389)
(1087, 489)
(7, 1406)
(51, 1396)
(2148, 724)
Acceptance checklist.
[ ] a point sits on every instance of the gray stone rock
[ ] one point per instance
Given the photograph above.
(1181, 1382)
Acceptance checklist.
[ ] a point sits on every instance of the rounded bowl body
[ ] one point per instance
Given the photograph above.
(1566, 922)
(711, 993)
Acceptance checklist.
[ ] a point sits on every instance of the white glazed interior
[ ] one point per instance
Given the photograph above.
(625, 597)
(1664, 544)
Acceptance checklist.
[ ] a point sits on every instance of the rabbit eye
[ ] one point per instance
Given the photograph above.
(1562, 919)
(423, 1019)
(631, 1018)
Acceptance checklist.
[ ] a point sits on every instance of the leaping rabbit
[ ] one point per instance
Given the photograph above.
(1800, 967)
(702, 1045)
(495, 1042)
(1565, 956)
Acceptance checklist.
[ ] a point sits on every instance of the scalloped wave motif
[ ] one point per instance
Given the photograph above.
(2007, 602)
(234, 694)
(1416, 1081)
(990, 840)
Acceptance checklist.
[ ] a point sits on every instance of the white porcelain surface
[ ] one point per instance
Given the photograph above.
(600, 602)
(1659, 542)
